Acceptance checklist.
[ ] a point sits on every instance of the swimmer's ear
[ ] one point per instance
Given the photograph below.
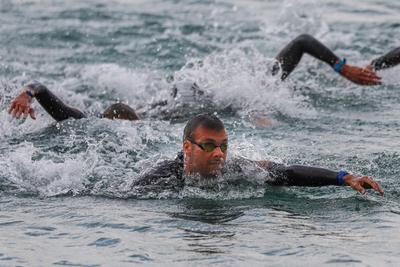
(186, 147)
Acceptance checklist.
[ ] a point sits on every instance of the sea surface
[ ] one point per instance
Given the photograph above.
(65, 195)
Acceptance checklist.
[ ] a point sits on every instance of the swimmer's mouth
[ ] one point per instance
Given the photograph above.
(216, 162)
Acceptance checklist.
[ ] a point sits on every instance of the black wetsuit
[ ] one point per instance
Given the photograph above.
(291, 54)
(388, 60)
(169, 174)
(52, 104)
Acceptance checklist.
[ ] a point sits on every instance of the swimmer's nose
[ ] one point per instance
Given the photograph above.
(218, 152)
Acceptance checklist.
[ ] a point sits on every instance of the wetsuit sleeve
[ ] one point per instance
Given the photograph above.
(292, 53)
(388, 60)
(298, 175)
(52, 104)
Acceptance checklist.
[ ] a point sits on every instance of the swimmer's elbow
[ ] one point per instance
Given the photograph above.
(304, 38)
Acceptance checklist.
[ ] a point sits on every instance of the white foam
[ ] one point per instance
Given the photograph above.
(243, 79)
(45, 176)
(129, 85)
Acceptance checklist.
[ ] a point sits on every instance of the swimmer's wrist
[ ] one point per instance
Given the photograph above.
(29, 93)
(33, 88)
(340, 177)
(338, 66)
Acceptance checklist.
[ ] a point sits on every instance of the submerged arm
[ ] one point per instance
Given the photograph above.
(50, 102)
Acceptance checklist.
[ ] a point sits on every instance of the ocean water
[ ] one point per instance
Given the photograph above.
(64, 187)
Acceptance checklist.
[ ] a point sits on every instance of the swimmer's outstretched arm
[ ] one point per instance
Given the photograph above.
(292, 53)
(21, 105)
(298, 175)
(388, 60)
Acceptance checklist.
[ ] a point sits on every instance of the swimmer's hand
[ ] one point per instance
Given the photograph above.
(360, 183)
(21, 106)
(362, 76)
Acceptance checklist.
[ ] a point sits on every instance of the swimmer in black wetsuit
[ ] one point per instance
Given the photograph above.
(186, 99)
(291, 54)
(205, 147)
(21, 106)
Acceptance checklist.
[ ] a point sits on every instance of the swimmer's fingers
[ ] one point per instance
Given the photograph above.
(359, 183)
(362, 76)
(354, 182)
(14, 111)
(370, 81)
(367, 80)
(370, 76)
(32, 113)
(26, 112)
(359, 188)
(369, 71)
(367, 77)
(374, 185)
(12, 107)
(19, 112)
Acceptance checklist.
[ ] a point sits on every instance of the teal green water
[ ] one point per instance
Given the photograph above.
(64, 197)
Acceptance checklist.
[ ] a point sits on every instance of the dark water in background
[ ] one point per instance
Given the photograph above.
(63, 197)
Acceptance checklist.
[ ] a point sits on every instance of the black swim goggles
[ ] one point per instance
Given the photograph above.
(210, 146)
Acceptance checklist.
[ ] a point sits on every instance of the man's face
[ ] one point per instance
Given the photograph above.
(197, 160)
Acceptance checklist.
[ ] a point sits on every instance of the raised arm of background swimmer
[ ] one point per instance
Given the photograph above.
(292, 53)
(388, 60)
(21, 105)
(297, 175)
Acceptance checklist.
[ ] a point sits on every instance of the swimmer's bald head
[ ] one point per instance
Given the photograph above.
(120, 111)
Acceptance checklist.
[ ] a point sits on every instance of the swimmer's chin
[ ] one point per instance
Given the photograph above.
(211, 173)
(216, 169)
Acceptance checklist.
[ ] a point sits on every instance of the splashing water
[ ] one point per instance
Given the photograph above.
(65, 188)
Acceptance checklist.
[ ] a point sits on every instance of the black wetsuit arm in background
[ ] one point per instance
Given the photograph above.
(298, 175)
(52, 104)
(292, 53)
(388, 60)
